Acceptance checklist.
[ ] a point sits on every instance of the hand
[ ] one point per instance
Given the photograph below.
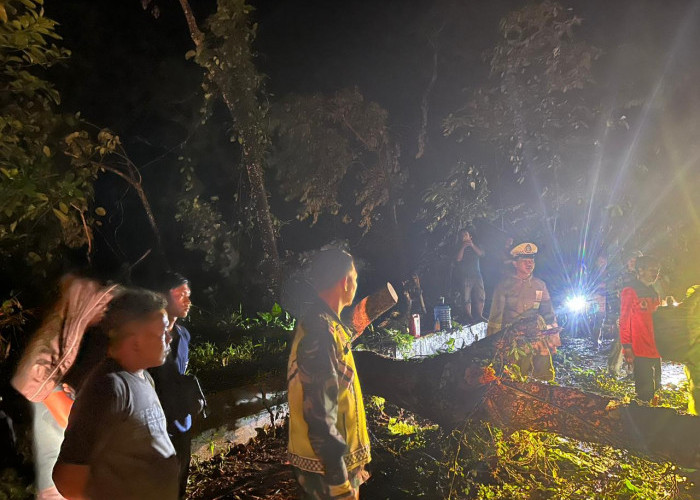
(628, 354)
(353, 494)
(69, 391)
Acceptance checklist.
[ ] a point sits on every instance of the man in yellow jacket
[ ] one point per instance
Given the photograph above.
(328, 439)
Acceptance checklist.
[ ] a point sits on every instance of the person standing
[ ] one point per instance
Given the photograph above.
(517, 296)
(60, 354)
(624, 278)
(692, 364)
(638, 301)
(116, 443)
(469, 281)
(178, 392)
(328, 439)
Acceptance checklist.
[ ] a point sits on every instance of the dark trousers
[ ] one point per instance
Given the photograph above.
(647, 377)
(182, 442)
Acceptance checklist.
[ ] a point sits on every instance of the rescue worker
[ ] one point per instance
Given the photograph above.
(328, 439)
(692, 365)
(521, 294)
(638, 301)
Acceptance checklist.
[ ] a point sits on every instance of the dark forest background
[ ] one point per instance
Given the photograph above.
(385, 127)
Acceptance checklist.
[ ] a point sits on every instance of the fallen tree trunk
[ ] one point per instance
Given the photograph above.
(451, 388)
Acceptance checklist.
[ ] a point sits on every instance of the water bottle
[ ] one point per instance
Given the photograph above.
(443, 315)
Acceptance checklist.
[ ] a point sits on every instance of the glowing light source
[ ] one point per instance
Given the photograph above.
(576, 303)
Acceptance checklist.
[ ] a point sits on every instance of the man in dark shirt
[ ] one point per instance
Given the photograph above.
(470, 283)
(174, 388)
(116, 444)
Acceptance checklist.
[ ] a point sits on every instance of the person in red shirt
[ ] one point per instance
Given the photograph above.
(638, 301)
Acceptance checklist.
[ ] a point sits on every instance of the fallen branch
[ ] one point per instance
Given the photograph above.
(450, 388)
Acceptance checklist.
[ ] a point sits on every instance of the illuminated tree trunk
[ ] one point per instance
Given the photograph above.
(253, 145)
(451, 388)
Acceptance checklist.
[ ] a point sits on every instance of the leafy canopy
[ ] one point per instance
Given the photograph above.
(44, 193)
(325, 141)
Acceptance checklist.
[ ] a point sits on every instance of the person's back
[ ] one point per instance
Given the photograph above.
(132, 456)
(639, 301)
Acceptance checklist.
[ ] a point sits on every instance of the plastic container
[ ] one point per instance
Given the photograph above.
(414, 325)
(443, 315)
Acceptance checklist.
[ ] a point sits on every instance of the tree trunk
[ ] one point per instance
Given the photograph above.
(252, 159)
(451, 388)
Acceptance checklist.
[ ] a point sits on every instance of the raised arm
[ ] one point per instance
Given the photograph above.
(478, 250)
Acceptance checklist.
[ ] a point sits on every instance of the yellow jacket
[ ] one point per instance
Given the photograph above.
(327, 423)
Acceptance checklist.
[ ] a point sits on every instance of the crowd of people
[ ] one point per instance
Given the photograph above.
(113, 405)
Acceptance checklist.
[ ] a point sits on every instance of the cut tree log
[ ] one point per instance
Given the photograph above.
(453, 387)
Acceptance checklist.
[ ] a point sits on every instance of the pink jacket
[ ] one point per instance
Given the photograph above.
(54, 346)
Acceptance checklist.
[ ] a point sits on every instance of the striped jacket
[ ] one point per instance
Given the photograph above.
(327, 424)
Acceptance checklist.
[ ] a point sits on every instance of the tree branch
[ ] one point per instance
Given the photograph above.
(423, 134)
(195, 33)
(138, 187)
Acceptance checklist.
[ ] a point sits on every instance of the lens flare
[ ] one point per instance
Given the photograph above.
(576, 303)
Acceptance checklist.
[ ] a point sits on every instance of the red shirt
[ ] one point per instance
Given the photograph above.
(637, 304)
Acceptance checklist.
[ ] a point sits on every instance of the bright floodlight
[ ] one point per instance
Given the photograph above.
(576, 304)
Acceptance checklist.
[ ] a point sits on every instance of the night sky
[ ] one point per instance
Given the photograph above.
(128, 73)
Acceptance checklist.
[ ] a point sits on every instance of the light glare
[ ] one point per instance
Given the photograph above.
(576, 303)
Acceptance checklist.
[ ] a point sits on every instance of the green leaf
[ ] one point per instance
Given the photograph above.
(63, 207)
(100, 211)
(47, 151)
(276, 310)
(631, 487)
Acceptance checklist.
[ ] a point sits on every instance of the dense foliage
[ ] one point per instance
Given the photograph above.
(45, 194)
(326, 140)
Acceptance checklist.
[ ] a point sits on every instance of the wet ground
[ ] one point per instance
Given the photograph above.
(589, 356)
